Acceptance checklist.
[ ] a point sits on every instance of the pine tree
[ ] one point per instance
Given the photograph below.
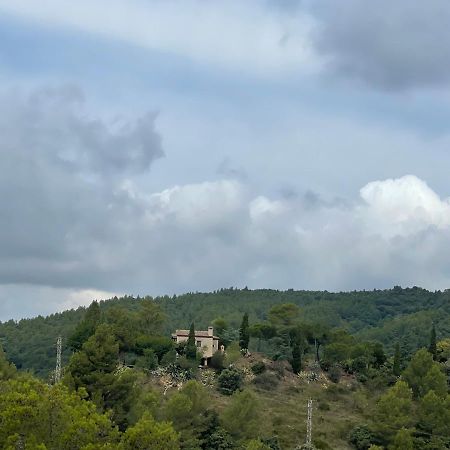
(191, 349)
(433, 347)
(244, 333)
(396, 370)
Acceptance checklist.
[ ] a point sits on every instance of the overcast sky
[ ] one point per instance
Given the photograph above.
(159, 146)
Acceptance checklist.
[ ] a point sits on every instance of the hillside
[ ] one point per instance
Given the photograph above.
(387, 316)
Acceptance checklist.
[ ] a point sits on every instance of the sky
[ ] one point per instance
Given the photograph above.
(152, 147)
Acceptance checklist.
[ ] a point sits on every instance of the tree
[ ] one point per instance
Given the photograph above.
(244, 333)
(396, 368)
(241, 417)
(361, 437)
(7, 370)
(434, 414)
(191, 348)
(94, 367)
(416, 370)
(285, 314)
(49, 416)
(230, 380)
(394, 409)
(423, 374)
(186, 409)
(151, 317)
(296, 361)
(433, 346)
(149, 434)
(402, 441)
(86, 328)
(256, 444)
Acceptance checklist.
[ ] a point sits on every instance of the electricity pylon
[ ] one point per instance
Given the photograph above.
(58, 369)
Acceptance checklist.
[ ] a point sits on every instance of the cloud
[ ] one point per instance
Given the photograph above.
(232, 35)
(77, 221)
(386, 44)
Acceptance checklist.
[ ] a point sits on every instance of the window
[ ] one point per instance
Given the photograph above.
(199, 344)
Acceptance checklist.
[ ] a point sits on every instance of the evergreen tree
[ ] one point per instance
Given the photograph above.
(296, 361)
(402, 440)
(244, 333)
(86, 328)
(433, 346)
(396, 369)
(191, 349)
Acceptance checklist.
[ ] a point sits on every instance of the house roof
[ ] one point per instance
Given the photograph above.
(198, 333)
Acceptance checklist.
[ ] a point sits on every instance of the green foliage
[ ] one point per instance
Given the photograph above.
(7, 370)
(244, 333)
(434, 414)
(256, 444)
(361, 437)
(149, 434)
(433, 344)
(229, 381)
(296, 361)
(93, 368)
(218, 361)
(241, 417)
(50, 416)
(86, 328)
(423, 374)
(394, 409)
(285, 314)
(402, 441)
(191, 348)
(335, 373)
(396, 368)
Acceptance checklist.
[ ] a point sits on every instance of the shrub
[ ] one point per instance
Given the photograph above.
(230, 380)
(258, 368)
(218, 361)
(361, 437)
(267, 381)
(335, 373)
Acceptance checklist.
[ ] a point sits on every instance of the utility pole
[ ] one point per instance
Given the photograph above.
(309, 425)
(58, 360)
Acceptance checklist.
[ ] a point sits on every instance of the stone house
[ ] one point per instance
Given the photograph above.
(206, 342)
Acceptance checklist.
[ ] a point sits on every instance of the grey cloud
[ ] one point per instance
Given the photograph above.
(389, 44)
(60, 177)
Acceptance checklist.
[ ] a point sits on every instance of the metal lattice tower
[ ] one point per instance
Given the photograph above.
(58, 369)
(309, 425)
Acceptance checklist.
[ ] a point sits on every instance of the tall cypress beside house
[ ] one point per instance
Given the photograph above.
(433, 347)
(191, 349)
(244, 333)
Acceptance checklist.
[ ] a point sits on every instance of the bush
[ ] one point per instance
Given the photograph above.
(258, 368)
(267, 381)
(230, 380)
(148, 361)
(218, 361)
(361, 437)
(335, 373)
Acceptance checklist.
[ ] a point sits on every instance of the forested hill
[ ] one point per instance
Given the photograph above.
(388, 316)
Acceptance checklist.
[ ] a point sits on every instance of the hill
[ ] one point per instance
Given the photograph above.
(387, 316)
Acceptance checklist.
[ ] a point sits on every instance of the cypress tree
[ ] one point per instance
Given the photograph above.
(396, 370)
(191, 349)
(433, 348)
(244, 333)
(296, 361)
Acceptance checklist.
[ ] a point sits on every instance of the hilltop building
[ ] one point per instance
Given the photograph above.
(206, 342)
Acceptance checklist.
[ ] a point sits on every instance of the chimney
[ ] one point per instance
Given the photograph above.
(210, 331)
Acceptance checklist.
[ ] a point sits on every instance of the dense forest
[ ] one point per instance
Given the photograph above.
(376, 365)
(392, 316)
